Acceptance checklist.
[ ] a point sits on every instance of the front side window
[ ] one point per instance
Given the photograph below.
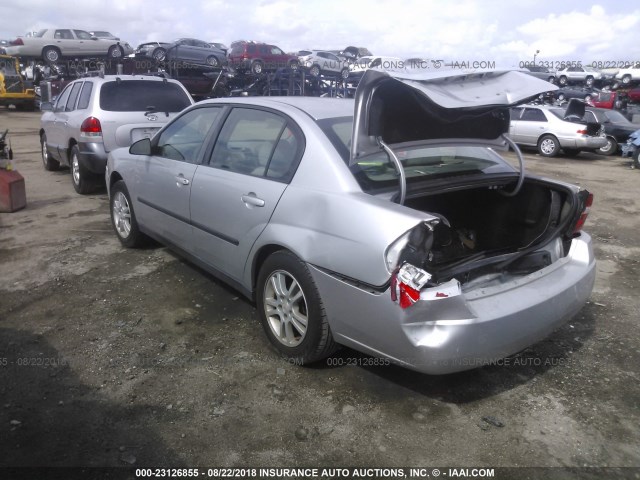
(258, 143)
(533, 115)
(82, 35)
(183, 139)
(62, 99)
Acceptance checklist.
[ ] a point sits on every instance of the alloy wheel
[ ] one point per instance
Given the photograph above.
(286, 309)
(121, 215)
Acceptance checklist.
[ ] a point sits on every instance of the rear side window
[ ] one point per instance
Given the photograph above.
(533, 115)
(258, 143)
(85, 96)
(141, 95)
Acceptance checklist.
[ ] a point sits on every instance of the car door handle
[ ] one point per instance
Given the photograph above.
(252, 199)
(181, 180)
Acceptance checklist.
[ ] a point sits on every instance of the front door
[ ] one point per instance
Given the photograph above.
(163, 182)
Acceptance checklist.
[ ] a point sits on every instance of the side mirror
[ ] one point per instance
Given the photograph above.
(141, 147)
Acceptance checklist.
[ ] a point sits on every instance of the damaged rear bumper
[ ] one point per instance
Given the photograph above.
(466, 331)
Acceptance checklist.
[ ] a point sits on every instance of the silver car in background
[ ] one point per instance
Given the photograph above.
(95, 115)
(388, 223)
(551, 129)
(54, 44)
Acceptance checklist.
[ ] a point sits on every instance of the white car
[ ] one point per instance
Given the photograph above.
(54, 44)
(321, 62)
(628, 75)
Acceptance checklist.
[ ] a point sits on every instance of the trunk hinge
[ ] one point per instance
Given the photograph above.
(398, 165)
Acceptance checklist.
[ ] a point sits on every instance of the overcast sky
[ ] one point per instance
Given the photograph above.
(506, 32)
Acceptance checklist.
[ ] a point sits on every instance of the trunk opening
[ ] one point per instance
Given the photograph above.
(484, 232)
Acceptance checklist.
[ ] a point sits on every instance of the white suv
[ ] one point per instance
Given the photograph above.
(628, 75)
(95, 115)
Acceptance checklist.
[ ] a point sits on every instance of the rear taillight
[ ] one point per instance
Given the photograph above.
(581, 132)
(91, 127)
(17, 41)
(583, 216)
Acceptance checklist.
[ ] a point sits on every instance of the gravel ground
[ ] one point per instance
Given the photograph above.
(114, 357)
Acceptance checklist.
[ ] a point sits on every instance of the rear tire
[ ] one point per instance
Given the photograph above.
(562, 80)
(51, 54)
(548, 146)
(50, 164)
(82, 179)
(291, 310)
(159, 54)
(610, 148)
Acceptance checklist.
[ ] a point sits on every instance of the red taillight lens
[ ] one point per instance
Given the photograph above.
(583, 216)
(581, 132)
(91, 126)
(17, 41)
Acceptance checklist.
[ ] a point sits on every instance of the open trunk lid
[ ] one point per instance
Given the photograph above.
(466, 107)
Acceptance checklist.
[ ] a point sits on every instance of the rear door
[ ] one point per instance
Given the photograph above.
(163, 183)
(54, 123)
(533, 123)
(234, 196)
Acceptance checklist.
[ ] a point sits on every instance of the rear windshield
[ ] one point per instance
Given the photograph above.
(421, 163)
(142, 95)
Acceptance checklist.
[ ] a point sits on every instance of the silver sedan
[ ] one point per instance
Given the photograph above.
(53, 44)
(552, 129)
(388, 223)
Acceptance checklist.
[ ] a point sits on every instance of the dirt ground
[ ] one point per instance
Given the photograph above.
(114, 357)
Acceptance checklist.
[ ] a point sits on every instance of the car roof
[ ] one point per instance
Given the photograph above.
(317, 108)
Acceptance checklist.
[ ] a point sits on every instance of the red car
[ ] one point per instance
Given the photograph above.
(258, 57)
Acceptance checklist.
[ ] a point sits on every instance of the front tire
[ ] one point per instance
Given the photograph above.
(314, 71)
(123, 218)
(626, 80)
(588, 81)
(50, 164)
(562, 80)
(548, 146)
(115, 51)
(212, 61)
(291, 310)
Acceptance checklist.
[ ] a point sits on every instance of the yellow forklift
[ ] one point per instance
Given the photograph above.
(13, 88)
